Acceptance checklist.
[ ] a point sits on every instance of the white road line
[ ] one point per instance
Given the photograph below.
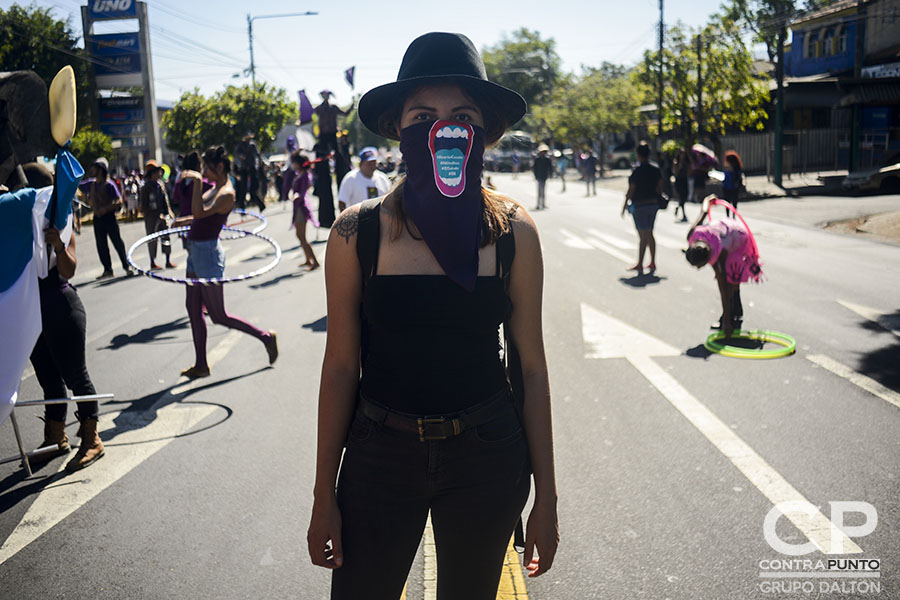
(886, 320)
(613, 240)
(573, 241)
(857, 379)
(57, 501)
(637, 347)
(811, 522)
(600, 245)
(125, 451)
(102, 333)
(430, 553)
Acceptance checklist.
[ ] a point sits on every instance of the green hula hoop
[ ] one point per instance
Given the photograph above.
(787, 343)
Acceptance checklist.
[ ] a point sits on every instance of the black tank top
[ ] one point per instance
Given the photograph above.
(432, 347)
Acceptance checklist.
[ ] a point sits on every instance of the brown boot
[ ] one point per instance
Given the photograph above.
(90, 449)
(54, 435)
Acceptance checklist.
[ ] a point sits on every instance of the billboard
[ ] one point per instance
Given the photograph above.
(125, 120)
(116, 53)
(102, 10)
(117, 59)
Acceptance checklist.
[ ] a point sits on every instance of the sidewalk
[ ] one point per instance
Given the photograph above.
(810, 199)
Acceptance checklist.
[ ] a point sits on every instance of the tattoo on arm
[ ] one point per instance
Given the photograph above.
(347, 225)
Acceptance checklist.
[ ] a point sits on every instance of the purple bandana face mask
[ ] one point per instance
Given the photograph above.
(442, 192)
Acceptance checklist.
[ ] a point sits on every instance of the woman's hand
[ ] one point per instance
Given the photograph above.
(705, 208)
(191, 174)
(324, 535)
(51, 236)
(542, 533)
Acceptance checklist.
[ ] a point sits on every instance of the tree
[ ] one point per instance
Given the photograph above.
(184, 122)
(601, 102)
(197, 122)
(89, 144)
(733, 94)
(32, 39)
(524, 62)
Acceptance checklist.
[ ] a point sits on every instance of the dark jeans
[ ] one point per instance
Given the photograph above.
(474, 484)
(247, 182)
(731, 197)
(58, 355)
(152, 224)
(108, 226)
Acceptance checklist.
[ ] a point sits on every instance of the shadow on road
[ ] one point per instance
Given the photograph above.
(319, 325)
(639, 281)
(277, 280)
(698, 351)
(148, 334)
(140, 413)
(882, 364)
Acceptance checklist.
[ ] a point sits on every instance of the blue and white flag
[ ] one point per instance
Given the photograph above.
(24, 215)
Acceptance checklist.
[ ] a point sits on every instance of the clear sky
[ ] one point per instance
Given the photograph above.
(204, 43)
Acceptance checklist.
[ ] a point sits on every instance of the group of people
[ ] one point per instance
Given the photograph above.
(103, 196)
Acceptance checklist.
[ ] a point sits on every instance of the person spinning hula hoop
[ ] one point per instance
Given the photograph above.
(728, 246)
(206, 258)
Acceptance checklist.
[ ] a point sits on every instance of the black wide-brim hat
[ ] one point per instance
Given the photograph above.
(436, 58)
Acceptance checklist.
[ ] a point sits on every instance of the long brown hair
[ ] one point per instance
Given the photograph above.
(496, 216)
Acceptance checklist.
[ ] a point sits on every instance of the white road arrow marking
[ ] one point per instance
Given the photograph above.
(606, 337)
(887, 320)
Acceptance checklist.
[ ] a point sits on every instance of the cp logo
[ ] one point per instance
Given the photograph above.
(838, 532)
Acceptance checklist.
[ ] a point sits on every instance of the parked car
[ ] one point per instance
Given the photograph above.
(885, 178)
(620, 156)
(500, 157)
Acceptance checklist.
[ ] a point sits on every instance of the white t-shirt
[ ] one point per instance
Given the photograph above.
(356, 187)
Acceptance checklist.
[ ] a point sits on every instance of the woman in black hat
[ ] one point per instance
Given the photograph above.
(432, 424)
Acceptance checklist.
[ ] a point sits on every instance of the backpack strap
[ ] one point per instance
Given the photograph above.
(506, 252)
(368, 235)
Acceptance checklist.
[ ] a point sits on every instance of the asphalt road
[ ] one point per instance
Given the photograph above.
(669, 458)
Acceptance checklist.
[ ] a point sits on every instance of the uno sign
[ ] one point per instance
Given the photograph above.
(113, 9)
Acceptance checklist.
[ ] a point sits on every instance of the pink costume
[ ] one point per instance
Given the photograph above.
(742, 261)
(301, 185)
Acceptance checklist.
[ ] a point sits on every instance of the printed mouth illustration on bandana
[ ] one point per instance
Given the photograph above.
(450, 144)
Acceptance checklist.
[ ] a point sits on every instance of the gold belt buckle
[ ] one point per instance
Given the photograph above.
(422, 422)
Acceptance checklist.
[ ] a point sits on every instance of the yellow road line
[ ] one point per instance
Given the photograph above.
(512, 578)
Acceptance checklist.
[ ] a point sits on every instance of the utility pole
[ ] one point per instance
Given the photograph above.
(699, 87)
(659, 105)
(778, 168)
(250, 36)
(855, 125)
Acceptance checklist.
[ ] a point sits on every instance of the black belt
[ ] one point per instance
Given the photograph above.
(436, 427)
